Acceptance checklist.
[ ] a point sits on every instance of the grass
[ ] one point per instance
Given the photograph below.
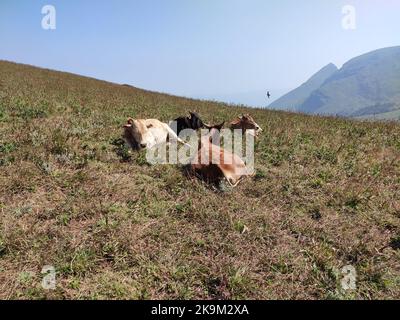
(325, 195)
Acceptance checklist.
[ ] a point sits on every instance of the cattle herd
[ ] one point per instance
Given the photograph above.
(211, 162)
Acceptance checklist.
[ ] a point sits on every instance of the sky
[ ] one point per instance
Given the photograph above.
(229, 50)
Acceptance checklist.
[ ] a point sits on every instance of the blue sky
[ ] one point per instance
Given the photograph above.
(223, 49)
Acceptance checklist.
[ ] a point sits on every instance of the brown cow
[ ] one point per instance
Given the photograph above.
(213, 162)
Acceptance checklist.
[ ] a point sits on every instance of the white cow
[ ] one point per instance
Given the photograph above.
(146, 133)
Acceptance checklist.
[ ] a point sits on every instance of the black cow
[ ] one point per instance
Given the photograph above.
(192, 122)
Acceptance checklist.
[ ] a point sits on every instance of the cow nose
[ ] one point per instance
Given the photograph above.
(143, 145)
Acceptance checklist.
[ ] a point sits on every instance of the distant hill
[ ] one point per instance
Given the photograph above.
(292, 100)
(367, 86)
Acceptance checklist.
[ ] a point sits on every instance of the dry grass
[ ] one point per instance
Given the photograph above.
(326, 194)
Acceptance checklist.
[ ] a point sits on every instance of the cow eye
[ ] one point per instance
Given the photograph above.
(149, 126)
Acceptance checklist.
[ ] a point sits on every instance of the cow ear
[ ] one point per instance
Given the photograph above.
(130, 120)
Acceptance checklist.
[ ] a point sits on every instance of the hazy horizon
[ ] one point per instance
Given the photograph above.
(222, 50)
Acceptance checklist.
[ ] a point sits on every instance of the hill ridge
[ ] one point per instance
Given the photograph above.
(294, 98)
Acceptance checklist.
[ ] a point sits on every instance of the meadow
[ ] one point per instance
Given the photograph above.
(326, 194)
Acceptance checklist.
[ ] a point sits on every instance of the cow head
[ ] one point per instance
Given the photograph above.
(137, 134)
(217, 127)
(246, 123)
(195, 121)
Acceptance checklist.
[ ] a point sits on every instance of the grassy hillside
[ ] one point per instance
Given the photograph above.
(326, 194)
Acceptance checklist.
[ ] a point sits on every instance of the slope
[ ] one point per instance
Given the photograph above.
(73, 196)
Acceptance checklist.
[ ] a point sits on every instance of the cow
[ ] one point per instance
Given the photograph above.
(146, 133)
(192, 122)
(213, 162)
(214, 128)
(247, 124)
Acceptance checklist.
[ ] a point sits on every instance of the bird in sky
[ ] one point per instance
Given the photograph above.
(268, 94)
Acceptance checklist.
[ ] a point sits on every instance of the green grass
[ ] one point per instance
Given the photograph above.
(326, 194)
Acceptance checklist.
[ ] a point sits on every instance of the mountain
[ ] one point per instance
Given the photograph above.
(292, 100)
(367, 86)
